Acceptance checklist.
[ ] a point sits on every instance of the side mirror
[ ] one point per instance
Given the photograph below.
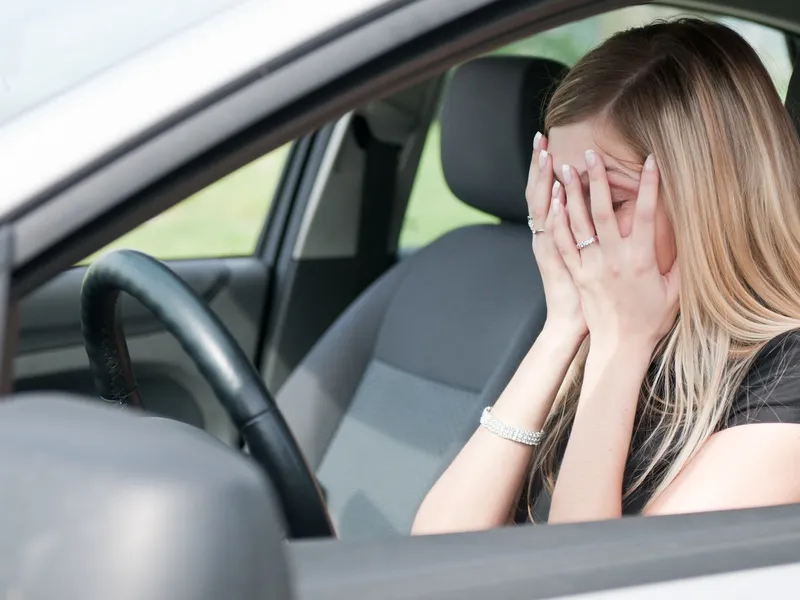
(97, 503)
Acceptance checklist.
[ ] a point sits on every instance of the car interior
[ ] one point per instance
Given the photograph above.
(380, 357)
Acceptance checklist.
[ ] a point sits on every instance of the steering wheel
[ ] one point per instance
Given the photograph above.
(218, 357)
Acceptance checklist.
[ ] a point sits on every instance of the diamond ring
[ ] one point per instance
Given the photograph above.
(532, 228)
(586, 242)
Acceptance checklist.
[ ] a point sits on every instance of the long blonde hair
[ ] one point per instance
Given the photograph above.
(696, 95)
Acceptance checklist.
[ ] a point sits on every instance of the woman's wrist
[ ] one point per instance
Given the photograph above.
(563, 332)
(638, 349)
(627, 359)
(527, 399)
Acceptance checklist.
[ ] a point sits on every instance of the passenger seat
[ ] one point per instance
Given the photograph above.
(395, 387)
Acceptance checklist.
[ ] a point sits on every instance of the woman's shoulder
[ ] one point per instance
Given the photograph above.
(770, 391)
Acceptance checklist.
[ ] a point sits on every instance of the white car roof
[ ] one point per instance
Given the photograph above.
(50, 130)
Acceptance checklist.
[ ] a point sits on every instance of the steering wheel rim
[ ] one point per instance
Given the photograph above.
(220, 360)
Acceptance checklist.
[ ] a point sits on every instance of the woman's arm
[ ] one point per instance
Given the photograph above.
(589, 485)
(755, 459)
(479, 489)
(741, 467)
(629, 305)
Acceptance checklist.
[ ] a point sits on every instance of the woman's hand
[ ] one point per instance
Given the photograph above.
(564, 312)
(624, 296)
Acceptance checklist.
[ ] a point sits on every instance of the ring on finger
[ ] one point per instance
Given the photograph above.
(535, 230)
(586, 242)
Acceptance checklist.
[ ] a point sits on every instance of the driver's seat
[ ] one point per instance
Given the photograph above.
(395, 387)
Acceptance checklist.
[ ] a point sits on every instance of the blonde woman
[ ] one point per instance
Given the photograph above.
(665, 209)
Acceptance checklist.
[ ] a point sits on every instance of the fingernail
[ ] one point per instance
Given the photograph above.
(591, 158)
(555, 206)
(556, 187)
(566, 173)
(536, 139)
(543, 159)
(650, 163)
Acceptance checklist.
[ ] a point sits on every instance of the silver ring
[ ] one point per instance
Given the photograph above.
(586, 242)
(532, 228)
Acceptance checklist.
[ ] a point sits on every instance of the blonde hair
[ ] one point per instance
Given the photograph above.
(696, 95)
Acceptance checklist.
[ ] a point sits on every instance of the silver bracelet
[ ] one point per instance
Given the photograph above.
(497, 427)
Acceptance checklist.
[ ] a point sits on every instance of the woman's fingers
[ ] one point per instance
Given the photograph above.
(556, 197)
(540, 182)
(643, 236)
(563, 237)
(545, 247)
(539, 202)
(579, 219)
(605, 221)
(539, 141)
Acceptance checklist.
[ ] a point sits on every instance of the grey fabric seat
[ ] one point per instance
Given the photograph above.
(396, 386)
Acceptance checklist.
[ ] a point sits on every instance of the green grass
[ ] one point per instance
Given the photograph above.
(226, 218)
(432, 208)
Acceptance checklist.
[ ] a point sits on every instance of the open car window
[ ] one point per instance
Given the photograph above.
(432, 208)
(224, 219)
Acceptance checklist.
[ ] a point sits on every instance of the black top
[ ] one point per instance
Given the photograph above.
(770, 393)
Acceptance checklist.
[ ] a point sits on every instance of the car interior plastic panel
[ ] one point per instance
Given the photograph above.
(146, 508)
(50, 355)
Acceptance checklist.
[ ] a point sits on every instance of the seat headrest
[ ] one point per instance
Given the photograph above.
(793, 99)
(492, 109)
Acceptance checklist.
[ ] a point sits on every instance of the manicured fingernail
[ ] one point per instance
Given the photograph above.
(543, 159)
(555, 206)
(566, 173)
(536, 139)
(591, 158)
(650, 163)
(556, 187)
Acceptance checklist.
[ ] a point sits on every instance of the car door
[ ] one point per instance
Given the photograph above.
(548, 562)
(216, 241)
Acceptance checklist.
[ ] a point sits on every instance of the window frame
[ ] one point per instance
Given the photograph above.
(405, 250)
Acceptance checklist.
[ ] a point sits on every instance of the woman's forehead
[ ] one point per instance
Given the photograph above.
(568, 144)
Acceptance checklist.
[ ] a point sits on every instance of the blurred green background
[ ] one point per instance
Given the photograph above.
(225, 219)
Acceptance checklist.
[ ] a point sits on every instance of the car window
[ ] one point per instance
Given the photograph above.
(433, 210)
(222, 220)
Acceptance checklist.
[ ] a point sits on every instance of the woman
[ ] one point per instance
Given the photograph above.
(666, 219)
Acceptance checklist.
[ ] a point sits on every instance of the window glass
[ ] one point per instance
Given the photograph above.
(224, 219)
(433, 209)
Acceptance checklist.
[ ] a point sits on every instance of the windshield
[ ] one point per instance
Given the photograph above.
(47, 46)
